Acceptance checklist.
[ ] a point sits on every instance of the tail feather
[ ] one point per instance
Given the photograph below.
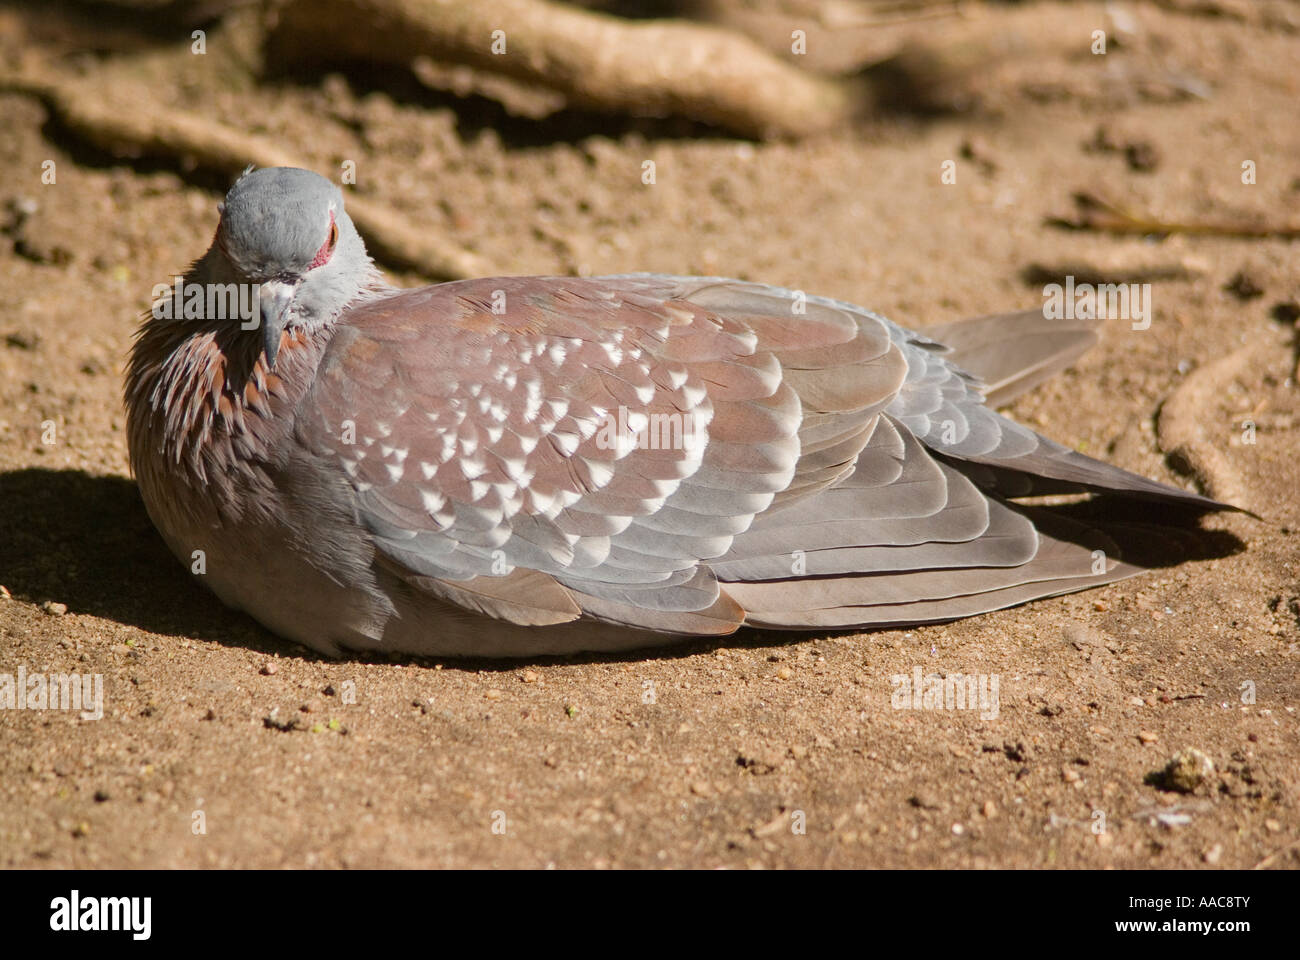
(1053, 469)
(1014, 352)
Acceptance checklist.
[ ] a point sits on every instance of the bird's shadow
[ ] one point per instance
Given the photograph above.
(86, 541)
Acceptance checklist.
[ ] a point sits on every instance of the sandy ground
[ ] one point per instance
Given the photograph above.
(761, 750)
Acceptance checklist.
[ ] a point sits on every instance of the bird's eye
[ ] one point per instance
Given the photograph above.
(327, 248)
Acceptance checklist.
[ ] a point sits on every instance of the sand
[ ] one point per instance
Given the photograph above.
(223, 746)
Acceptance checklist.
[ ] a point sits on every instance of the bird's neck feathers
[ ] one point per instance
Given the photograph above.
(200, 398)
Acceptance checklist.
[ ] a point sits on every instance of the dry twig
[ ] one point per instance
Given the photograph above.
(1096, 213)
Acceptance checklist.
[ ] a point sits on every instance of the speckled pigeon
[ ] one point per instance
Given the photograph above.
(469, 468)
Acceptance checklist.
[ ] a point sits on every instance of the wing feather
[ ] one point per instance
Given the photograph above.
(653, 451)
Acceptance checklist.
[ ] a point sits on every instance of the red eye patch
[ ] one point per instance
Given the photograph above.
(327, 248)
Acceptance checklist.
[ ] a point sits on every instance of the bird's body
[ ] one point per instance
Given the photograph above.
(538, 465)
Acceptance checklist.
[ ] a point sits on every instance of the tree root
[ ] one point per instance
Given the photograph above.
(139, 128)
(1181, 427)
(596, 61)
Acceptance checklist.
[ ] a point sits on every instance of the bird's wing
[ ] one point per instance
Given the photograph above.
(606, 435)
(540, 448)
(942, 402)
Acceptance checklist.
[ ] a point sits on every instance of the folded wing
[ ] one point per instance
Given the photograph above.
(690, 454)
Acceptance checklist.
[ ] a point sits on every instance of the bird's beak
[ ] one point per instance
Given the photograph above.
(274, 297)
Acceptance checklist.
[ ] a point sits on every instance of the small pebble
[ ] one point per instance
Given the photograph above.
(1081, 637)
(54, 609)
(269, 669)
(1187, 770)
(531, 676)
(1146, 736)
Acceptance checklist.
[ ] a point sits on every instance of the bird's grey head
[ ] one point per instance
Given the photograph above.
(286, 231)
